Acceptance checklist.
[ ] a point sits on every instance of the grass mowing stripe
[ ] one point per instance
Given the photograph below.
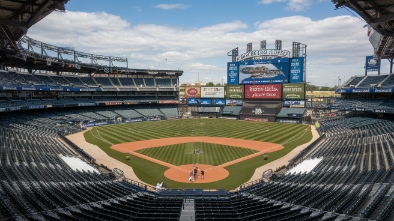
(115, 137)
(221, 155)
(177, 155)
(277, 136)
(289, 135)
(108, 138)
(128, 135)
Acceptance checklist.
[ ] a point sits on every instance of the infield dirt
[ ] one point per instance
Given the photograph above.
(181, 173)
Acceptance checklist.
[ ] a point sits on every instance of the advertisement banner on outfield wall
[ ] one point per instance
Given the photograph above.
(212, 92)
(192, 101)
(270, 71)
(168, 102)
(192, 92)
(296, 70)
(294, 103)
(234, 102)
(293, 91)
(256, 119)
(365, 90)
(235, 91)
(205, 101)
(232, 73)
(219, 102)
(268, 91)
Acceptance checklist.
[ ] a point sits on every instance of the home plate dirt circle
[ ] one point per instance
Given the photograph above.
(182, 173)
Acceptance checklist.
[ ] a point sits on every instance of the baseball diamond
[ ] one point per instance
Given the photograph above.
(162, 151)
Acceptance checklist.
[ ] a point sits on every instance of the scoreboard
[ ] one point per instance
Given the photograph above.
(268, 71)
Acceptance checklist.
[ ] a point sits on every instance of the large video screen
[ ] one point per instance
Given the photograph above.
(270, 91)
(294, 91)
(212, 92)
(271, 71)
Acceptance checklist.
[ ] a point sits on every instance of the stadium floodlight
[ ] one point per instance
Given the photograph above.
(278, 44)
(234, 54)
(263, 45)
(249, 47)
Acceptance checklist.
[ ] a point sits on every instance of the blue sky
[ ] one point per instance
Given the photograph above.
(195, 36)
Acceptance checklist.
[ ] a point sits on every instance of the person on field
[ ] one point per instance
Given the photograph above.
(195, 172)
(202, 174)
(191, 176)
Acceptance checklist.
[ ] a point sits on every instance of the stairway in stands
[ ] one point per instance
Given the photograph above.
(188, 210)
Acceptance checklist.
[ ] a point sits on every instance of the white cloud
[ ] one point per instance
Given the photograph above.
(334, 45)
(298, 5)
(292, 5)
(171, 6)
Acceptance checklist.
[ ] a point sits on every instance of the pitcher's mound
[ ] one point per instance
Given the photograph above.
(182, 173)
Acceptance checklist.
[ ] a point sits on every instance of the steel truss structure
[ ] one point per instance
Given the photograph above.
(17, 16)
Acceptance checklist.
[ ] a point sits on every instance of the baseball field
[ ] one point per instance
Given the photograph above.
(228, 151)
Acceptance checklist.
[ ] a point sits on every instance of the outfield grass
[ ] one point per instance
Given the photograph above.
(289, 135)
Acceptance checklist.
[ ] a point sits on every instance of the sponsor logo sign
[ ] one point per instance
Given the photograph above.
(294, 91)
(192, 101)
(192, 92)
(257, 119)
(296, 70)
(270, 91)
(212, 92)
(232, 73)
(219, 102)
(204, 101)
(235, 91)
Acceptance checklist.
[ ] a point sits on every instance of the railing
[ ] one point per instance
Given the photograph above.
(142, 186)
(76, 148)
(245, 185)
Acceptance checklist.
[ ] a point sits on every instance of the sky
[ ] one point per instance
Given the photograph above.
(195, 36)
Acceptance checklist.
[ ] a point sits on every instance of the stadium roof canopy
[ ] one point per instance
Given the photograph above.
(379, 14)
(17, 16)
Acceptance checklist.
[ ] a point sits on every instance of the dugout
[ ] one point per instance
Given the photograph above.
(291, 115)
